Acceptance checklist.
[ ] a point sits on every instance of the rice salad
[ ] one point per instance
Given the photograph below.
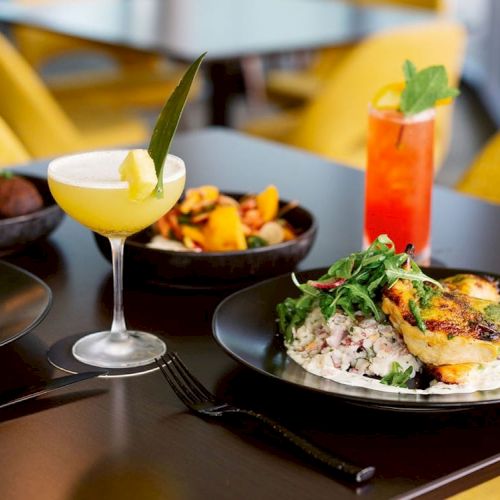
(358, 345)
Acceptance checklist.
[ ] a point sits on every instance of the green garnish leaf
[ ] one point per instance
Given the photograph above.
(293, 312)
(492, 313)
(395, 274)
(254, 241)
(423, 88)
(167, 122)
(397, 377)
(409, 70)
(415, 310)
(425, 293)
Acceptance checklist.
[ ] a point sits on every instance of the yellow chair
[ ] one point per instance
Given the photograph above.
(482, 179)
(130, 78)
(293, 87)
(40, 123)
(334, 123)
(12, 152)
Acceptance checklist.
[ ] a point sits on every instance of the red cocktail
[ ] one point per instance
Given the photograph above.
(399, 177)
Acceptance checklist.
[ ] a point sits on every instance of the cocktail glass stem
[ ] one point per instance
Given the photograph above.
(118, 347)
(118, 327)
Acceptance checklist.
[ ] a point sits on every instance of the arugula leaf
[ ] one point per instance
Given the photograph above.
(362, 298)
(423, 88)
(327, 305)
(167, 122)
(342, 268)
(254, 241)
(304, 287)
(425, 293)
(492, 313)
(415, 310)
(291, 313)
(394, 274)
(397, 377)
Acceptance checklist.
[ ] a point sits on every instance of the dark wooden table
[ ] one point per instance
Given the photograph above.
(227, 30)
(131, 437)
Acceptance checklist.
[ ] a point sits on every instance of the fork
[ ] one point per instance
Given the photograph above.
(202, 402)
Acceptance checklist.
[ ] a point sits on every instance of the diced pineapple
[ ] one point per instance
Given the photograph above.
(139, 171)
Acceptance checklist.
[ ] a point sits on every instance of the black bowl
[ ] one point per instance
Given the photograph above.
(18, 232)
(209, 270)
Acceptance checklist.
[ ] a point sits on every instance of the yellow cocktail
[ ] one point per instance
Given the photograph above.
(89, 188)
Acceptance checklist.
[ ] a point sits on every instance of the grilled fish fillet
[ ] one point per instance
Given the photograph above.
(458, 329)
(453, 374)
(473, 286)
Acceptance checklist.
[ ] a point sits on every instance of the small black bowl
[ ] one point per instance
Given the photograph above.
(18, 232)
(216, 270)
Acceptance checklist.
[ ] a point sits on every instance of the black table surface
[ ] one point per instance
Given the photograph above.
(131, 437)
(225, 29)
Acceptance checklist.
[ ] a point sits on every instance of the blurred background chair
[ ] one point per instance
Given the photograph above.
(124, 79)
(482, 178)
(12, 152)
(43, 126)
(333, 123)
(292, 86)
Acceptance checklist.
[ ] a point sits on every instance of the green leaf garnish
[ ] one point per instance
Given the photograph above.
(254, 241)
(409, 70)
(167, 122)
(425, 293)
(293, 312)
(397, 377)
(423, 88)
(415, 310)
(492, 313)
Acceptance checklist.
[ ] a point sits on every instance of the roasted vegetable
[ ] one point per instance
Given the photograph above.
(207, 220)
(224, 230)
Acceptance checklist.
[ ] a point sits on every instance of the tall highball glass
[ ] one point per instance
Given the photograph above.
(399, 177)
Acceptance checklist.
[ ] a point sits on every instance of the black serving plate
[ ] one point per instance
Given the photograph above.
(24, 302)
(216, 270)
(18, 232)
(245, 326)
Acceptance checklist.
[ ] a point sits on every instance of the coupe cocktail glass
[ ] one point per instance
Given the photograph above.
(399, 176)
(87, 187)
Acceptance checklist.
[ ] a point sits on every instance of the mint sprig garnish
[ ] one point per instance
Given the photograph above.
(167, 122)
(423, 88)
